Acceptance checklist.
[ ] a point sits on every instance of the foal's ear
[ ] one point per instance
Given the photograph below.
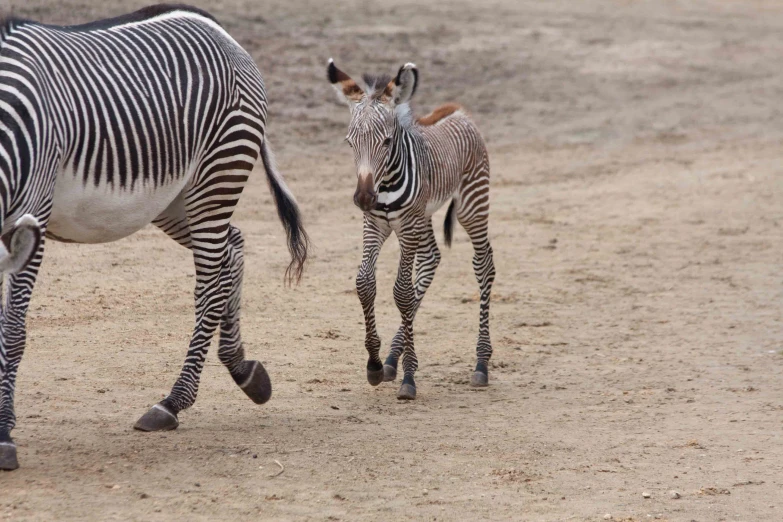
(347, 89)
(402, 88)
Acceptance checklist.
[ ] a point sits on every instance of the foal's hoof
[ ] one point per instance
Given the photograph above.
(158, 418)
(375, 377)
(389, 373)
(256, 383)
(479, 380)
(407, 392)
(8, 460)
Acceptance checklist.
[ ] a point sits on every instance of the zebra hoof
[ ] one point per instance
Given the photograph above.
(389, 373)
(256, 384)
(407, 392)
(8, 461)
(479, 380)
(375, 377)
(158, 418)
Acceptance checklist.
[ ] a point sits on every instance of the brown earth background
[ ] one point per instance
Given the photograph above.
(637, 318)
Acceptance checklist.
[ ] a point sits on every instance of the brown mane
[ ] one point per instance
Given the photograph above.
(444, 111)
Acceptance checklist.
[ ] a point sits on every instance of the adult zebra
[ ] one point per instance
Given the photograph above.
(407, 169)
(153, 117)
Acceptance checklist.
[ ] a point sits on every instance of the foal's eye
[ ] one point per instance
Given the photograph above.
(387, 142)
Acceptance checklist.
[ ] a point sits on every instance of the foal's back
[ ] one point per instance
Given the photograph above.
(457, 150)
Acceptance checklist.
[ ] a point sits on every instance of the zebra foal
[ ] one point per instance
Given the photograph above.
(157, 117)
(407, 169)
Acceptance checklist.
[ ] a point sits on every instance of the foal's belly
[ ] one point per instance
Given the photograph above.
(99, 214)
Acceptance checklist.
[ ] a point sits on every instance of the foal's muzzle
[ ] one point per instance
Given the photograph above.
(365, 197)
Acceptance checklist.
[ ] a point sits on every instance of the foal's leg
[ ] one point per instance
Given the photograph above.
(12, 343)
(208, 206)
(374, 235)
(405, 298)
(249, 375)
(427, 260)
(473, 215)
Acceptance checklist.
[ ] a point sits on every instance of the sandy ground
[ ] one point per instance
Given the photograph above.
(637, 222)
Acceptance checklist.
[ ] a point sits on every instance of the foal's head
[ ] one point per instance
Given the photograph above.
(375, 103)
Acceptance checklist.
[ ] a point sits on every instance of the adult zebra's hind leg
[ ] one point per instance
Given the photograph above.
(427, 260)
(249, 375)
(13, 337)
(208, 206)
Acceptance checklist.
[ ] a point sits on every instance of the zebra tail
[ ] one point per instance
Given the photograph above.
(18, 247)
(288, 211)
(448, 224)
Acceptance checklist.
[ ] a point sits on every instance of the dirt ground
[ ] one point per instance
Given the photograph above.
(637, 316)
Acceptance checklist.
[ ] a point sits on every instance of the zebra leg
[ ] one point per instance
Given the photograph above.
(405, 299)
(250, 376)
(12, 342)
(374, 235)
(475, 222)
(208, 213)
(427, 260)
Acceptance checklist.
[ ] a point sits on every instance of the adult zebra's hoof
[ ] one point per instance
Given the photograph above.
(158, 418)
(479, 380)
(8, 460)
(255, 382)
(407, 392)
(389, 373)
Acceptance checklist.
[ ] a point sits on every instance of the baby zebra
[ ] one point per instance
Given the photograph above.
(154, 117)
(407, 169)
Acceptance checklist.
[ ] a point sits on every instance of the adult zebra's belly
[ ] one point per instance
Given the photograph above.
(89, 214)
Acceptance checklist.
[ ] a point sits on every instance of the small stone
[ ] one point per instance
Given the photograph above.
(607, 517)
(144, 495)
(646, 494)
(425, 492)
(116, 486)
(674, 494)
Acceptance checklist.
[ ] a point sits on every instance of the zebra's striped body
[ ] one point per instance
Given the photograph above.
(407, 170)
(154, 117)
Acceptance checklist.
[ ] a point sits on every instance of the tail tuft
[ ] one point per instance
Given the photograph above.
(288, 211)
(448, 224)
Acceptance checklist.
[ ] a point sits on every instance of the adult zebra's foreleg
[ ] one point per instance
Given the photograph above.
(13, 336)
(427, 260)
(374, 235)
(251, 376)
(208, 211)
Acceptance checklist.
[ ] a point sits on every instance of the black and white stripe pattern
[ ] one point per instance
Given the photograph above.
(406, 170)
(154, 117)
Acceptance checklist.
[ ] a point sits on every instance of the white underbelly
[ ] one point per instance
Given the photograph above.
(89, 214)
